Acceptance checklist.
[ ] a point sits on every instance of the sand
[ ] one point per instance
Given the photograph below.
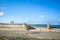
(40, 33)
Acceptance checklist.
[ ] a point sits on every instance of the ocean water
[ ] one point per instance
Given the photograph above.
(45, 25)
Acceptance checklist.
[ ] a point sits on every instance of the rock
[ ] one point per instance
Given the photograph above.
(49, 26)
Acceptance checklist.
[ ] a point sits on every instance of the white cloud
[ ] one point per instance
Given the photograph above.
(42, 16)
(1, 13)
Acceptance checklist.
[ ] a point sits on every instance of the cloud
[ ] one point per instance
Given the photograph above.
(42, 16)
(1, 13)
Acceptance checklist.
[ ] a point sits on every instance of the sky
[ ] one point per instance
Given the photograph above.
(30, 11)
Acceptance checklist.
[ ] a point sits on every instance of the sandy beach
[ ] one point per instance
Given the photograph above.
(36, 29)
(46, 29)
(38, 32)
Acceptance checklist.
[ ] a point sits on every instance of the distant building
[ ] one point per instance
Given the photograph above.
(12, 22)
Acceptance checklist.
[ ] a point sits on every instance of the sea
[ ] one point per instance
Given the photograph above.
(45, 25)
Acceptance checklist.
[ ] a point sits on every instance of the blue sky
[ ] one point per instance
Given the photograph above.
(30, 11)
